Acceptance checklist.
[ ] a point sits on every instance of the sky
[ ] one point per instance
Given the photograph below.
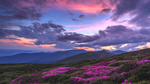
(58, 25)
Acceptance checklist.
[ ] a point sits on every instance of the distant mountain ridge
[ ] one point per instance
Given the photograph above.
(39, 57)
(49, 57)
(84, 56)
(10, 52)
(116, 52)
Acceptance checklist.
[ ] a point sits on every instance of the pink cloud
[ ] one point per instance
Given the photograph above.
(92, 6)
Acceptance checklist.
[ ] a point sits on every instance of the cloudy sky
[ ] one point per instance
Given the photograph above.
(93, 25)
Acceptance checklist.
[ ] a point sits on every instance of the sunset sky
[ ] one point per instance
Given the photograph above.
(92, 25)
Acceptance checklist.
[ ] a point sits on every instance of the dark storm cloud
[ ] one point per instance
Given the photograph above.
(3, 33)
(41, 31)
(81, 16)
(14, 9)
(42, 42)
(72, 36)
(102, 33)
(39, 42)
(145, 31)
(113, 35)
(119, 29)
(27, 13)
(120, 34)
(119, 40)
(90, 38)
(37, 27)
(142, 14)
(45, 30)
(45, 33)
(140, 9)
(123, 7)
(104, 11)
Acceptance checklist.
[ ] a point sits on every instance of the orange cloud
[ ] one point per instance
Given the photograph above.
(47, 45)
(21, 40)
(148, 44)
(130, 49)
(15, 40)
(112, 47)
(141, 46)
(85, 48)
(29, 44)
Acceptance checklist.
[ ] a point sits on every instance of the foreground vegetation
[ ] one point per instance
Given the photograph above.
(127, 68)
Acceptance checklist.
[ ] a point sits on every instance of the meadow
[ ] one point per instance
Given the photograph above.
(127, 68)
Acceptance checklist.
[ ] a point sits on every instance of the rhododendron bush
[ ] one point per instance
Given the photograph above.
(95, 73)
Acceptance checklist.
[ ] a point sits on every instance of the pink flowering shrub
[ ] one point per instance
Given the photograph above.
(126, 82)
(93, 72)
(17, 79)
(146, 58)
(96, 73)
(35, 78)
(84, 74)
(123, 73)
(53, 72)
(140, 62)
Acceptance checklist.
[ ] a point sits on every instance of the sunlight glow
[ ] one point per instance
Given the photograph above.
(85, 48)
(112, 47)
(123, 45)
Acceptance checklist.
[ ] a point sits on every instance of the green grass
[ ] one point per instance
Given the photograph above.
(139, 75)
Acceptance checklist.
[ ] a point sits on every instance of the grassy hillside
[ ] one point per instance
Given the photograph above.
(84, 56)
(127, 68)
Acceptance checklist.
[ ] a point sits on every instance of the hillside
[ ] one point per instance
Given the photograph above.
(126, 68)
(39, 57)
(83, 56)
(117, 52)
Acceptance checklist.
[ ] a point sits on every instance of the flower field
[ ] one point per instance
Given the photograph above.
(127, 68)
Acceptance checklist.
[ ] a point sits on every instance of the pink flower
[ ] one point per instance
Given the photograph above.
(53, 72)
(123, 73)
(17, 78)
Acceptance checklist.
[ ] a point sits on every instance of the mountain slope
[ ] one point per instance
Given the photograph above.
(84, 56)
(126, 68)
(39, 57)
(117, 52)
